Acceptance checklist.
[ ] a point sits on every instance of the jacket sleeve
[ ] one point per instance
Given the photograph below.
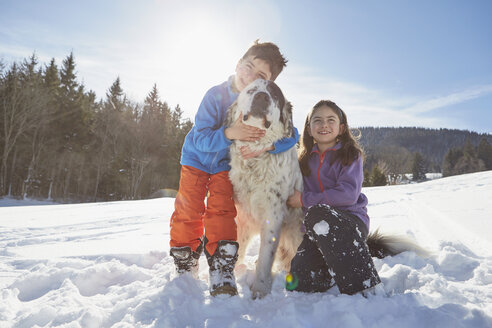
(209, 126)
(345, 192)
(285, 143)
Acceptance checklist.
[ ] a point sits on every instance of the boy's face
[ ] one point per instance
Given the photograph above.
(250, 69)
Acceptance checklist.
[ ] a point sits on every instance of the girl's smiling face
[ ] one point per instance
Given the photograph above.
(325, 127)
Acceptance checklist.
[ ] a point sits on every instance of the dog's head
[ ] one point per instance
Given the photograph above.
(262, 104)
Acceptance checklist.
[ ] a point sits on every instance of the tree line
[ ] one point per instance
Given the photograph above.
(393, 152)
(468, 159)
(58, 141)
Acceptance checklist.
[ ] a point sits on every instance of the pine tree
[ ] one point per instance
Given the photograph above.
(70, 128)
(418, 167)
(154, 135)
(469, 162)
(111, 131)
(468, 149)
(450, 161)
(484, 152)
(68, 116)
(377, 177)
(367, 179)
(68, 78)
(115, 98)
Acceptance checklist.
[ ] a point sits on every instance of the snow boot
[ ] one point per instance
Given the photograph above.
(221, 268)
(377, 290)
(186, 260)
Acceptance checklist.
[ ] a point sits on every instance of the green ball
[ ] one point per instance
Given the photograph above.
(291, 281)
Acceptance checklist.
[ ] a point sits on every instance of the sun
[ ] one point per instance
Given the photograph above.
(203, 48)
(187, 49)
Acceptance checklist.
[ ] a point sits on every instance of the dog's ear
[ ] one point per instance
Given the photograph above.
(286, 119)
(231, 113)
(278, 98)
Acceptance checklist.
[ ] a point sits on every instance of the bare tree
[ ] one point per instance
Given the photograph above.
(21, 104)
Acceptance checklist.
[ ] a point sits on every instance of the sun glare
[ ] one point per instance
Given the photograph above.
(189, 49)
(204, 49)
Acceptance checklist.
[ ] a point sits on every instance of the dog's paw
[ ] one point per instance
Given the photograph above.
(260, 289)
(241, 269)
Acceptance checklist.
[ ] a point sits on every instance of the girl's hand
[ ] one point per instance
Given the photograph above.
(295, 200)
(243, 132)
(247, 153)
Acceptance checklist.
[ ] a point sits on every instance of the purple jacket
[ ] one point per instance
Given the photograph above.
(335, 185)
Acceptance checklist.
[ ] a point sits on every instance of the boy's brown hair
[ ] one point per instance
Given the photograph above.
(270, 53)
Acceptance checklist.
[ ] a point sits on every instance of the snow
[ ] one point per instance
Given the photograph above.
(107, 265)
(321, 228)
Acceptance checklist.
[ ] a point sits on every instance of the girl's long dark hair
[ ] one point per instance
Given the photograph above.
(350, 150)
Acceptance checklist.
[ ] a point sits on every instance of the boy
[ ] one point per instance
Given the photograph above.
(205, 167)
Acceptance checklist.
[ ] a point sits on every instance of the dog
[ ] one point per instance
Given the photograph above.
(263, 184)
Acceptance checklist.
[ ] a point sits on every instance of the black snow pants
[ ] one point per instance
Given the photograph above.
(333, 251)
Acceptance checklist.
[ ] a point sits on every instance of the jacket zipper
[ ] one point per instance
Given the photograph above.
(321, 159)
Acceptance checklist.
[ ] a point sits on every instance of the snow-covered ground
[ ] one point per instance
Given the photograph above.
(107, 265)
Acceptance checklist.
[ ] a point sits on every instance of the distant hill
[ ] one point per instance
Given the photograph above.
(396, 146)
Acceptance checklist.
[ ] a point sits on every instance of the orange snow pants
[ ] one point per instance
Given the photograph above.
(191, 219)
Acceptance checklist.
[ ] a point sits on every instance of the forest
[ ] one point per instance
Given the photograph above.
(391, 152)
(58, 141)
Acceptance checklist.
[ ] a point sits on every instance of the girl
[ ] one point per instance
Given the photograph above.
(334, 249)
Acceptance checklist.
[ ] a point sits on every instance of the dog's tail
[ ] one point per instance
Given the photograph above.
(381, 245)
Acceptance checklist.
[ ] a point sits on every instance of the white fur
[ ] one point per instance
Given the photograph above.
(262, 186)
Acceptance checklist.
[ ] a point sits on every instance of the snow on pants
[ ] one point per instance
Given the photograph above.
(333, 251)
(191, 220)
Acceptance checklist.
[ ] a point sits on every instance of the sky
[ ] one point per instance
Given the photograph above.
(386, 63)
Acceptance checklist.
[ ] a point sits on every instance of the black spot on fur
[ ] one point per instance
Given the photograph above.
(276, 94)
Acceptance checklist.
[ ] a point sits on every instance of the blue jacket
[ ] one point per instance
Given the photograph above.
(335, 184)
(206, 146)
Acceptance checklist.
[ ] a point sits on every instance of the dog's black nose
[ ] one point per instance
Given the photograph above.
(260, 103)
(245, 117)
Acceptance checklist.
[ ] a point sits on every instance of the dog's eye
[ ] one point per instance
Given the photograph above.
(267, 124)
(252, 90)
(245, 117)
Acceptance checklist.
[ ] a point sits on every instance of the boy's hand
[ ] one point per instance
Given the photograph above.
(295, 200)
(243, 132)
(247, 153)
